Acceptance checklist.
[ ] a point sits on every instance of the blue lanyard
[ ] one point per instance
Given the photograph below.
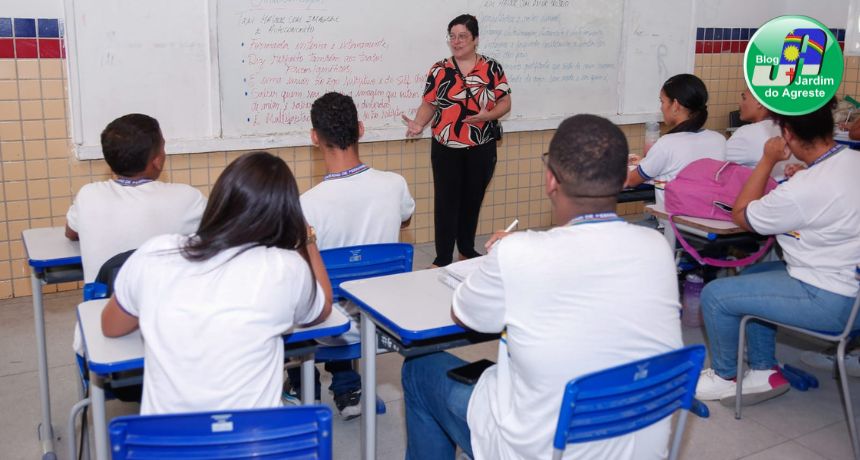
(833, 151)
(127, 182)
(595, 218)
(349, 172)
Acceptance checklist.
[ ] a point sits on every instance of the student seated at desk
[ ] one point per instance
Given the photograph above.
(118, 215)
(590, 294)
(746, 145)
(353, 205)
(815, 217)
(212, 306)
(684, 104)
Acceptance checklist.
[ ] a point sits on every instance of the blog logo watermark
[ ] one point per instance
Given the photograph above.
(793, 65)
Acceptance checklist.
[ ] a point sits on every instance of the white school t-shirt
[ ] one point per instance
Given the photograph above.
(746, 146)
(672, 152)
(573, 300)
(816, 217)
(363, 208)
(111, 218)
(212, 330)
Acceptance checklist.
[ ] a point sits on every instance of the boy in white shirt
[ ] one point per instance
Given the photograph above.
(120, 214)
(590, 294)
(353, 205)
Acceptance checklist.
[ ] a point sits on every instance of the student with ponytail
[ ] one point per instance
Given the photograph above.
(684, 104)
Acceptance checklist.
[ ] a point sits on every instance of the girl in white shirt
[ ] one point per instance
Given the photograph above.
(212, 306)
(684, 104)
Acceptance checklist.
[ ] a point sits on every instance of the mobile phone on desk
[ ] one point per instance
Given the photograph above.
(470, 373)
(725, 207)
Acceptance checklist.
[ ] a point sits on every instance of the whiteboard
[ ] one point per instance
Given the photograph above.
(128, 56)
(241, 74)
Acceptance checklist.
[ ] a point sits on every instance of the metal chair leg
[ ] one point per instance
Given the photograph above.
(846, 399)
(679, 433)
(740, 369)
(70, 428)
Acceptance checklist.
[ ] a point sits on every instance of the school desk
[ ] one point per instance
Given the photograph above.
(642, 192)
(53, 258)
(109, 355)
(710, 229)
(408, 313)
(841, 137)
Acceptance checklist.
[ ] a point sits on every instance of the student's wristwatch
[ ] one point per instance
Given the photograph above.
(312, 235)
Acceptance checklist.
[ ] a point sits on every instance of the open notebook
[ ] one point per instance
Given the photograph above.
(454, 274)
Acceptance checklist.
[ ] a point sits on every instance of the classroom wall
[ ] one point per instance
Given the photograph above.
(40, 175)
(746, 13)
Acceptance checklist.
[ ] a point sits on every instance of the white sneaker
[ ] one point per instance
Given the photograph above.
(712, 387)
(826, 361)
(758, 386)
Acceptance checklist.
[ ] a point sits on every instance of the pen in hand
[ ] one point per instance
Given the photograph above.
(499, 235)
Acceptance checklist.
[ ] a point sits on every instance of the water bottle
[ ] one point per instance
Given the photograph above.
(691, 315)
(652, 133)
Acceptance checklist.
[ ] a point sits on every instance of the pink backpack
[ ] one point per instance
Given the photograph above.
(708, 188)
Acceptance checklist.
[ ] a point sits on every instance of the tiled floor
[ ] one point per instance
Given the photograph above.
(798, 425)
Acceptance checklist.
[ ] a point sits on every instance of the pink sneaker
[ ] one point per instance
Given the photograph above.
(758, 386)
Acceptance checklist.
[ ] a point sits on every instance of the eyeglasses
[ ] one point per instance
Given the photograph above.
(545, 158)
(458, 37)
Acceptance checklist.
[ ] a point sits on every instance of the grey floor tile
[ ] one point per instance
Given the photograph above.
(786, 451)
(720, 436)
(18, 336)
(831, 442)
(797, 413)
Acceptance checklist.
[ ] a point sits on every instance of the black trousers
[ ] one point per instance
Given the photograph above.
(460, 178)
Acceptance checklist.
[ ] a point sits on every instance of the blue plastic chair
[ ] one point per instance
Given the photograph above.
(359, 262)
(627, 398)
(285, 432)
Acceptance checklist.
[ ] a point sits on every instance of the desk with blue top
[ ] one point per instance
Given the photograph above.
(106, 356)
(409, 313)
(53, 258)
(841, 137)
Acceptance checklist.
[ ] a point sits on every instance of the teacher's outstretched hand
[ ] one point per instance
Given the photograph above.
(413, 128)
(464, 97)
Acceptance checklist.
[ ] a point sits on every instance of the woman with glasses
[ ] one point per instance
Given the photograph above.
(464, 97)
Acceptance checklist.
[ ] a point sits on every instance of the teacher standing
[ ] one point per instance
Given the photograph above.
(464, 97)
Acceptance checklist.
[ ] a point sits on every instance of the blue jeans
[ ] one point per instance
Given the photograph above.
(435, 408)
(343, 378)
(764, 290)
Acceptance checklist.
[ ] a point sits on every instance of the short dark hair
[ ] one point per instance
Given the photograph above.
(812, 126)
(690, 91)
(468, 21)
(335, 119)
(589, 153)
(129, 142)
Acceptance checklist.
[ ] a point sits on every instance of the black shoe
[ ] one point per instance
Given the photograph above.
(349, 404)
